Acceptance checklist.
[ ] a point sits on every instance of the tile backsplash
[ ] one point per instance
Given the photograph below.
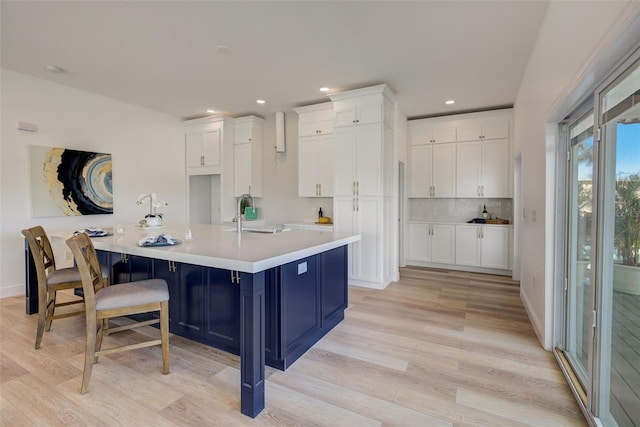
(458, 210)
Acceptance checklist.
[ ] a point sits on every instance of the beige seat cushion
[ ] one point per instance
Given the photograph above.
(132, 293)
(71, 274)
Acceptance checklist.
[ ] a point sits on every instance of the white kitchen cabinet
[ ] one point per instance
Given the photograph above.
(203, 145)
(315, 166)
(432, 170)
(315, 119)
(423, 132)
(366, 110)
(362, 216)
(364, 181)
(480, 245)
(315, 150)
(247, 156)
(482, 129)
(482, 168)
(433, 243)
(359, 168)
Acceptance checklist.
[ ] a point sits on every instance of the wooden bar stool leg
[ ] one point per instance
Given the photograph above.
(51, 306)
(89, 354)
(164, 332)
(42, 316)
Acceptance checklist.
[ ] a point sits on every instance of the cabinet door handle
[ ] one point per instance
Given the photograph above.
(357, 188)
(319, 189)
(482, 190)
(353, 188)
(235, 277)
(357, 205)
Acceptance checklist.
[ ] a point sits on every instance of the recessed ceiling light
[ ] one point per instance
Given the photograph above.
(261, 101)
(54, 69)
(223, 49)
(450, 101)
(324, 89)
(209, 110)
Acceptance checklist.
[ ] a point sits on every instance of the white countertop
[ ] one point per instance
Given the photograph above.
(450, 222)
(310, 225)
(220, 246)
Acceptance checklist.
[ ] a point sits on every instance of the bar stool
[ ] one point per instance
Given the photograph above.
(103, 303)
(51, 280)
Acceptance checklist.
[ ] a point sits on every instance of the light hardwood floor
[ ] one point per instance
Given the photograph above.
(437, 348)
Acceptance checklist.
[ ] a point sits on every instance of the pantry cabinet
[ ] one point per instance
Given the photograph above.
(315, 150)
(431, 243)
(485, 246)
(364, 180)
(247, 156)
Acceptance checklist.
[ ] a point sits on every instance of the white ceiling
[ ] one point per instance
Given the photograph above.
(163, 55)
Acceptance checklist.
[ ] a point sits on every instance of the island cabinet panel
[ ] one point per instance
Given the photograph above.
(129, 268)
(222, 307)
(299, 301)
(187, 285)
(334, 292)
(204, 304)
(304, 300)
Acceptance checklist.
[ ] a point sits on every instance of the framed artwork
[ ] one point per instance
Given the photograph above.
(69, 182)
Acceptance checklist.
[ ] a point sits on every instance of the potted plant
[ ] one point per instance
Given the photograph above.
(153, 218)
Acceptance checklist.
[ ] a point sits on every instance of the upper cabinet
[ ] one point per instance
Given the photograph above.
(203, 143)
(421, 132)
(315, 119)
(315, 150)
(483, 129)
(464, 156)
(247, 156)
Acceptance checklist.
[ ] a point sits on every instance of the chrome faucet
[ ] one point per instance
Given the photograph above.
(239, 214)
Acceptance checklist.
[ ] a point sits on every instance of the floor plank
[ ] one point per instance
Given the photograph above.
(437, 348)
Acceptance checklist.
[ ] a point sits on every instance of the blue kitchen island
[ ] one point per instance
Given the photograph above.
(267, 297)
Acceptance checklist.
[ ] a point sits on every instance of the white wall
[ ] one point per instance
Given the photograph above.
(572, 37)
(280, 202)
(147, 150)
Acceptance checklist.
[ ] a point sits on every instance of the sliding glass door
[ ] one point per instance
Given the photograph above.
(600, 347)
(619, 256)
(579, 290)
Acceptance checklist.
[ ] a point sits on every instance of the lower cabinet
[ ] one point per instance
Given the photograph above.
(483, 246)
(222, 307)
(431, 243)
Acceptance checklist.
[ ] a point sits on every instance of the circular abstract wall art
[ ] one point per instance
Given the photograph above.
(77, 182)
